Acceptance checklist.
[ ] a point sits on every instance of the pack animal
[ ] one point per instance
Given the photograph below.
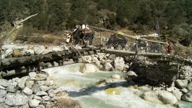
(115, 40)
(81, 36)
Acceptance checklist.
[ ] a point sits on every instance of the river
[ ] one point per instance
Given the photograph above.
(82, 87)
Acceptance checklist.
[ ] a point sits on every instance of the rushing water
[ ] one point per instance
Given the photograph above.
(83, 87)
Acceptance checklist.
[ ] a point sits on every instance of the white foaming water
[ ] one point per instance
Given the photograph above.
(81, 87)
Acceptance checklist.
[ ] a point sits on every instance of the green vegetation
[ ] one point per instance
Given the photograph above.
(174, 17)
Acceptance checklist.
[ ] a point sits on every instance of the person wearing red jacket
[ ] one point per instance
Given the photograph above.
(169, 48)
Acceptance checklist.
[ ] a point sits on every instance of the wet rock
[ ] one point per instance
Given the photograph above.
(66, 103)
(88, 68)
(189, 87)
(27, 91)
(119, 64)
(177, 94)
(181, 83)
(160, 97)
(34, 103)
(116, 76)
(111, 91)
(167, 97)
(4, 82)
(132, 74)
(151, 96)
(187, 97)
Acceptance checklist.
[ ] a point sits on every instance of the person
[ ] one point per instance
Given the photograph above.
(169, 48)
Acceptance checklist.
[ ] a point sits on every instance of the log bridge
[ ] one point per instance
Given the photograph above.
(11, 67)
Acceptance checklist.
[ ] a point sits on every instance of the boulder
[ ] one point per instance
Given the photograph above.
(181, 83)
(151, 96)
(160, 96)
(167, 97)
(119, 64)
(16, 99)
(187, 97)
(88, 68)
(116, 76)
(177, 93)
(131, 74)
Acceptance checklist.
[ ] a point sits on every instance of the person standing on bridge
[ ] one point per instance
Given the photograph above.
(170, 48)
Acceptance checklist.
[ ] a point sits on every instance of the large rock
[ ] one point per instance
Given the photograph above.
(160, 97)
(167, 97)
(4, 82)
(151, 96)
(119, 64)
(187, 97)
(16, 99)
(88, 68)
(177, 93)
(181, 83)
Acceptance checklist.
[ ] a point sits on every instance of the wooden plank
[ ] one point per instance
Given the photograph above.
(129, 53)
